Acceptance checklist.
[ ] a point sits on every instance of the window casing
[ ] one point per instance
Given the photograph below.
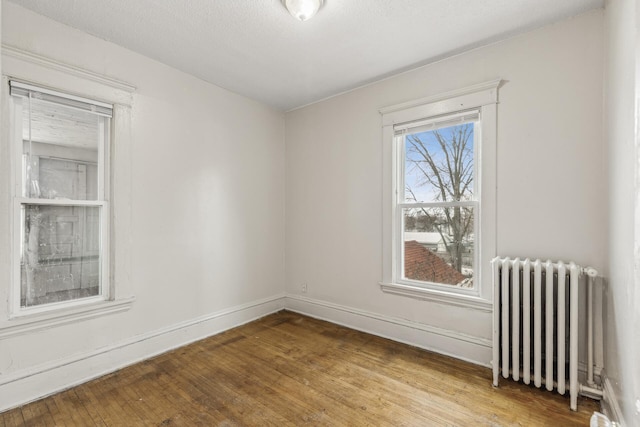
(60, 199)
(418, 138)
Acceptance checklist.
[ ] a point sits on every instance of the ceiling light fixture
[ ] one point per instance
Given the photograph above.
(303, 9)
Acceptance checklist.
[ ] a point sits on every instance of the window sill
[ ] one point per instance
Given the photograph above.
(34, 322)
(467, 301)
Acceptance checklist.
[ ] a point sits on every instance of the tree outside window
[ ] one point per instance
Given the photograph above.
(439, 203)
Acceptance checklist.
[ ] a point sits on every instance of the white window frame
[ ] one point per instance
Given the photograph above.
(20, 200)
(484, 98)
(401, 204)
(44, 72)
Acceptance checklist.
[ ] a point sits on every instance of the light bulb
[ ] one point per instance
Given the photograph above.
(303, 9)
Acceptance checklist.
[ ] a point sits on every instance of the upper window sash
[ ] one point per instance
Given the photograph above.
(405, 130)
(54, 111)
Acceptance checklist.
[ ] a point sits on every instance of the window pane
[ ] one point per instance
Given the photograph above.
(439, 164)
(439, 245)
(61, 147)
(60, 254)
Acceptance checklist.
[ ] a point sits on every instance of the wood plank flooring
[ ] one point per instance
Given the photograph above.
(291, 370)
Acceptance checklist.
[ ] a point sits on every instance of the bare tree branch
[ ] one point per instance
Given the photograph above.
(442, 161)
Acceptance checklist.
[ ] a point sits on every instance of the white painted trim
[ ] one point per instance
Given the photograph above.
(472, 204)
(56, 65)
(442, 103)
(26, 322)
(60, 202)
(443, 341)
(120, 198)
(30, 384)
(610, 406)
(426, 294)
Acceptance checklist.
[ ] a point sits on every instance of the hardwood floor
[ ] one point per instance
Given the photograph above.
(287, 369)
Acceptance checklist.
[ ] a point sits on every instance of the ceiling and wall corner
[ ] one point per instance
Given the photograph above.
(255, 48)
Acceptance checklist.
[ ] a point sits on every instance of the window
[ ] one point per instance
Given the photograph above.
(439, 196)
(61, 209)
(436, 211)
(67, 160)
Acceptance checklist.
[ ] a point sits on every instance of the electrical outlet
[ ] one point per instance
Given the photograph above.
(304, 288)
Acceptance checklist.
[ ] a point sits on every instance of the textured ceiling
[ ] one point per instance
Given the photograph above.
(255, 48)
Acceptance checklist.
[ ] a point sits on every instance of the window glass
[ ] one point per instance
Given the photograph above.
(435, 251)
(61, 148)
(439, 164)
(438, 210)
(60, 254)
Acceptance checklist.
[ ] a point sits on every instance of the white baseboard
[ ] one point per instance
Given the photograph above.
(36, 382)
(444, 341)
(610, 406)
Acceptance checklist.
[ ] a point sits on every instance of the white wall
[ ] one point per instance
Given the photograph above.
(207, 213)
(550, 179)
(622, 313)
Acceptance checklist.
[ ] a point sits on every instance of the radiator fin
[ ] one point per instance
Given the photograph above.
(535, 323)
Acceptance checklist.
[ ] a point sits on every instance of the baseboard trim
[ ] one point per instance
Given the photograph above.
(610, 406)
(444, 341)
(43, 380)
